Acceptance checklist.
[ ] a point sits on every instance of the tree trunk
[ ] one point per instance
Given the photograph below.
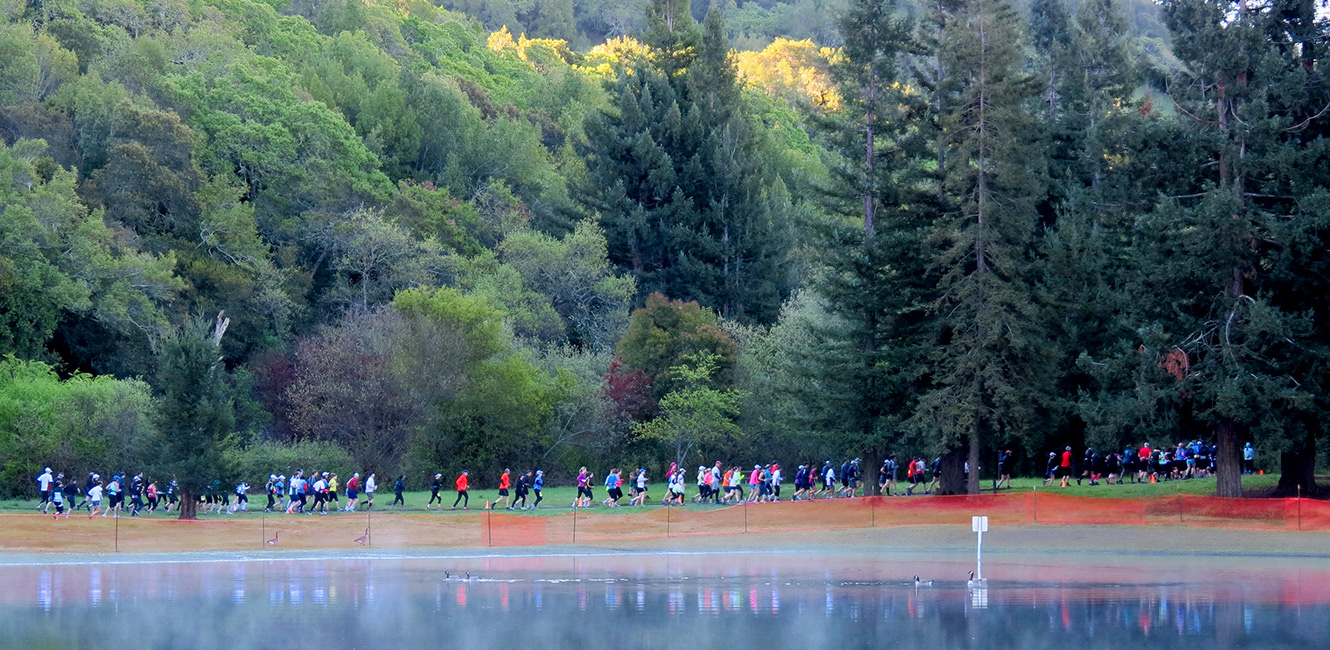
(972, 484)
(189, 505)
(1228, 460)
(1297, 468)
(953, 471)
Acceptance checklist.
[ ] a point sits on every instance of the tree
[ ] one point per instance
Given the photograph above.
(574, 274)
(989, 371)
(683, 184)
(696, 414)
(195, 414)
(78, 423)
(1247, 96)
(875, 281)
(665, 333)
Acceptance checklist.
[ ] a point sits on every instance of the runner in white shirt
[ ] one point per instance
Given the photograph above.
(95, 498)
(44, 484)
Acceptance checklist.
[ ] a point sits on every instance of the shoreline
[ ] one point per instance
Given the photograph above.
(1002, 543)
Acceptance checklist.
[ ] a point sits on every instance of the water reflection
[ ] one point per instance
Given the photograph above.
(396, 603)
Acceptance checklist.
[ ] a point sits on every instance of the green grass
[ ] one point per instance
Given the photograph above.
(558, 499)
(1252, 485)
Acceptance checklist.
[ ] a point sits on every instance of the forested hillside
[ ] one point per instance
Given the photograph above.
(417, 239)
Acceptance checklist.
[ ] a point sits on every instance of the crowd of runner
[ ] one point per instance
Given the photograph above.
(1187, 460)
(319, 492)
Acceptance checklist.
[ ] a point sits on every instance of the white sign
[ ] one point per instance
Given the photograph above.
(979, 524)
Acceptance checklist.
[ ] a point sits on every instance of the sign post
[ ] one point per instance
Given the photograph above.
(979, 525)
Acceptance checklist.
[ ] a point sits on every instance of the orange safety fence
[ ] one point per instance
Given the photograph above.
(482, 529)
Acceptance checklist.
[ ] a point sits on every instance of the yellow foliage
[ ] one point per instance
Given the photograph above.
(612, 55)
(796, 71)
(537, 51)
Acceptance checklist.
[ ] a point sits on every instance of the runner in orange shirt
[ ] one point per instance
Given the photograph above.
(504, 483)
(462, 496)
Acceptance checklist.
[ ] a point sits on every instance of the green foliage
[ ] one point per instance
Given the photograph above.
(255, 462)
(59, 260)
(695, 414)
(195, 414)
(665, 333)
(575, 276)
(80, 425)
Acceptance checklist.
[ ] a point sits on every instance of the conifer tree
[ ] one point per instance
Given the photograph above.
(685, 190)
(874, 279)
(1238, 348)
(195, 412)
(989, 367)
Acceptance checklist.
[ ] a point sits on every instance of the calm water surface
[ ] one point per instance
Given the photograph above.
(687, 601)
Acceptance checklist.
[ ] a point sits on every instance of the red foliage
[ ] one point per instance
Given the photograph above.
(1175, 362)
(630, 389)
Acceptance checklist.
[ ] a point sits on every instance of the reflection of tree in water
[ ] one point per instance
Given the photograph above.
(367, 604)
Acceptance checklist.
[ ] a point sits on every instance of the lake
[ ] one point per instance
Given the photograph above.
(790, 599)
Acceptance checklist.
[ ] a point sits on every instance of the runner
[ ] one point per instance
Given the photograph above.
(270, 489)
(152, 496)
(242, 496)
(399, 486)
(505, 481)
(71, 493)
(136, 494)
(584, 493)
(58, 496)
(640, 483)
(1004, 471)
(370, 487)
(44, 482)
(172, 494)
(114, 497)
(87, 488)
(1064, 466)
(332, 492)
(717, 482)
(320, 491)
(434, 487)
(613, 490)
(702, 490)
(462, 495)
(754, 483)
(537, 486)
(95, 497)
(775, 481)
(523, 487)
(353, 492)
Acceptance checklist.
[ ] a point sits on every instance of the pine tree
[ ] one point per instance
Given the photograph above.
(1239, 349)
(195, 412)
(989, 371)
(683, 184)
(873, 278)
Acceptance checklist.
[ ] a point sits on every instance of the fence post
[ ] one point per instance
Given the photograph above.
(574, 525)
(117, 532)
(872, 509)
(745, 517)
(369, 529)
(489, 527)
(263, 530)
(1299, 506)
(1036, 504)
(667, 521)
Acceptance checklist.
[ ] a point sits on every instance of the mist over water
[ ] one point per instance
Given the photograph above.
(656, 601)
